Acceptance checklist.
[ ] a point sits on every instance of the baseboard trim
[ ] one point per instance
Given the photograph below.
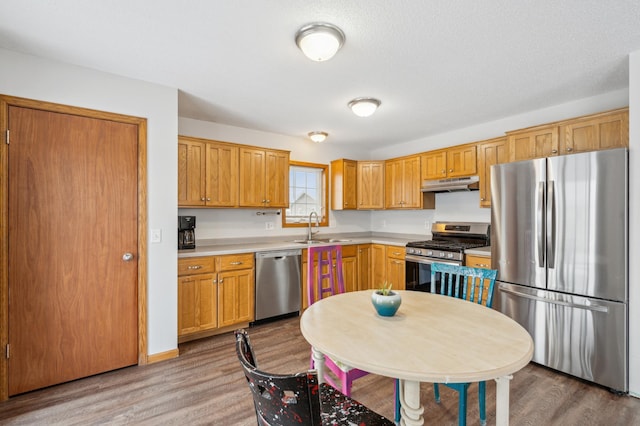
(163, 356)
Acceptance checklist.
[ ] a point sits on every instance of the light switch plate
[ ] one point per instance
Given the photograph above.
(156, 235)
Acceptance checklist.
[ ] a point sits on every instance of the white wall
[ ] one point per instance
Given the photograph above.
(40, 79)
(634, 226)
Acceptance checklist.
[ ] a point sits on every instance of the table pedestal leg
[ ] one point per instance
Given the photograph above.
(502, 400)
(318, 361)
(411, 410)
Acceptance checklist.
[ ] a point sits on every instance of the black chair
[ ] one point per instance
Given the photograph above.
(297, 399)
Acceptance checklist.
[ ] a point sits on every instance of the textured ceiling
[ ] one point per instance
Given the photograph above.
(437, 65)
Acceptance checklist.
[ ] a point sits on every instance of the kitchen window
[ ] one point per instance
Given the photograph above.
(308, 183)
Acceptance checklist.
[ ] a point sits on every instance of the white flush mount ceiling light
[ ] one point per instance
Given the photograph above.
(319, 41)
(364, 107)
(318, 136)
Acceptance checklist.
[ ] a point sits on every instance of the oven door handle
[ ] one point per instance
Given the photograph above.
(428, 260)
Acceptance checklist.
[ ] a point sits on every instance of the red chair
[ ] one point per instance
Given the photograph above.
(326, 281)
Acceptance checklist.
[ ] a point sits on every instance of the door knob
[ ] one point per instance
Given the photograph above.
(127, 257)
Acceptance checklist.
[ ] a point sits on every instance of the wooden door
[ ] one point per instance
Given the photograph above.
(393, 184)
(73, 215)
(602, 131)
(434, 165)
(364, 267)
(370, 178)
(411, 183)
(378, 265)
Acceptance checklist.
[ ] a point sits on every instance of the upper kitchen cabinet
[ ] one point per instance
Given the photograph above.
(595, 132)
(490, 152)
(264, 177)
(402, 183)
(207, 173)
(344, 184)
(370, 192)
(533, 142)
(456, 161)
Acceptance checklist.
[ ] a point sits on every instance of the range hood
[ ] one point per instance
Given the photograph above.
(470, 183)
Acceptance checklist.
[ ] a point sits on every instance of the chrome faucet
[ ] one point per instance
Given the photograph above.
(310, 234)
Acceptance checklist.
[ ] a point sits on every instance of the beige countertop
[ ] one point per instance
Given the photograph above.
(480, 251)
(246, 245)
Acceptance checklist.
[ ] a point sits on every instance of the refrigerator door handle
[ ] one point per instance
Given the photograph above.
(591, 307)
(540, 224)
(551, 224)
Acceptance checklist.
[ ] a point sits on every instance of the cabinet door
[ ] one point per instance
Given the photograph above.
(252, 177)
(434, 165)
(235, 297)
(197, 303)
(604, 131)
(370, 185)
(277, 179)
(535, 143)
(393, 185)
(344, 184)
(364, 267)
(378, 265)
(411, 183)
(350, 273)
(221, 175)
(479, 262)
(494, 151)
(462, 161)
(396, 273)
(191, 173)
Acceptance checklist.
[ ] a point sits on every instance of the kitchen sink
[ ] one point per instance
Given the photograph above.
(322, 241)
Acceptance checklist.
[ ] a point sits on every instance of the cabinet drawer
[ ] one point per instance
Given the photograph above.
(196, 265)
(478, 261)
(234, 262)
(349, 251)
(395, 252)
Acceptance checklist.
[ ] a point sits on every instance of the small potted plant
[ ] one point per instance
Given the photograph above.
(385, 300)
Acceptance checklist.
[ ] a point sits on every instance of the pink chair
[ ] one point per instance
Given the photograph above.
(326, 282)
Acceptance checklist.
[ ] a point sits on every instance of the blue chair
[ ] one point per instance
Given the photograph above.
(472, 284)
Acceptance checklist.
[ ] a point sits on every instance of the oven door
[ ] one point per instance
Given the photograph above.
(418, 272)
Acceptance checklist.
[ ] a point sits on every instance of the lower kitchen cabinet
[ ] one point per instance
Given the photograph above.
(349, 271)
(364, 267)
(484, 262)
(235, 297)
(214, 293)
(197, 303)
(388, 265)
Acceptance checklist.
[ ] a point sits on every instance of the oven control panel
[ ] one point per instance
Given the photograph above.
(438, 254)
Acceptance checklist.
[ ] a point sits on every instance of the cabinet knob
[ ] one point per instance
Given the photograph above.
(450, 170)
(202, 199)
(215, 281)
(268, 201)
(220, 281)
(208, 199)
(554, 151)
(194, 267)
(482, 199)
(443, 171)
(569, 149)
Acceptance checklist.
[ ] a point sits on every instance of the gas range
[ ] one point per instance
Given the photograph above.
(450, 240)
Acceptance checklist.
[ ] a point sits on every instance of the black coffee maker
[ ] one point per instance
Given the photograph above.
(186, 232)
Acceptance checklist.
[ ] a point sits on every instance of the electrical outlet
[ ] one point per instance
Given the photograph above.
(156, 235)
(269, 226)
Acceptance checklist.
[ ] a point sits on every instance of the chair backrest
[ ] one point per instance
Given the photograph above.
(324, 281)
(279, 399)
(464, 282)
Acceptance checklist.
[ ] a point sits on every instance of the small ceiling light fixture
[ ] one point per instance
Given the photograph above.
(318, 136)
(319, 41)
(364, 107)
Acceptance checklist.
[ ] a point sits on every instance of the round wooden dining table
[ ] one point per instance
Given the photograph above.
(432, 338)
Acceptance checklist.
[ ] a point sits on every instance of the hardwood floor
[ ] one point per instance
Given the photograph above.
(206, 386)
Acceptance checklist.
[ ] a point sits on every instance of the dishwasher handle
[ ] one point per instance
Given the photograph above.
(278, 254)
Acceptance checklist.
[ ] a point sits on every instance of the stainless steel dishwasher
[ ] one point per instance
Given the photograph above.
(277, 283)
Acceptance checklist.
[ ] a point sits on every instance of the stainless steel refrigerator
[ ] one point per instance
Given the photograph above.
(559, 233)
